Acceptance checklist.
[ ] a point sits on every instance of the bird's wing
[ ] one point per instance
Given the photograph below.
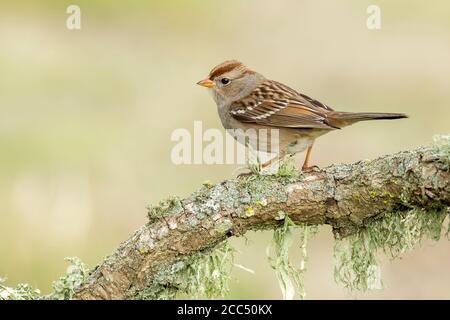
(277, 105)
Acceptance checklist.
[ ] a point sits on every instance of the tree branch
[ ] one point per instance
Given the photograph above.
(344, 196)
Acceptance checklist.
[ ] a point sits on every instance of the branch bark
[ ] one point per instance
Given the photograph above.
(345, 196)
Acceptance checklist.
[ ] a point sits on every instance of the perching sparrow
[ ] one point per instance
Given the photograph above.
(246, 99)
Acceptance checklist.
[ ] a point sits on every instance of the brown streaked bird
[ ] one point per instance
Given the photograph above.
(246, 99)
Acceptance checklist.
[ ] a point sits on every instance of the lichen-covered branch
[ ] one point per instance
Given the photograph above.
(346, 196)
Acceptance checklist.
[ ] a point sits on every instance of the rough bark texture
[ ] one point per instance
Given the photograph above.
(344, 196)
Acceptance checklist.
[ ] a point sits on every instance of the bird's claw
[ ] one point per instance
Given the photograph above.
(245, 174)
(310, 169)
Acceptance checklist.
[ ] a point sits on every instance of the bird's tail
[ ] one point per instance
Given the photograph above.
(342, 119)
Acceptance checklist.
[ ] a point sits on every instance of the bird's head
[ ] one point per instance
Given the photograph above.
(231, 81)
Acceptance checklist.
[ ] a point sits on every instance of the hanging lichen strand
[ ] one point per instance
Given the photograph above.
(397, 233)
(356, 263)
(290, 278)
(202, 275)
(209, 275)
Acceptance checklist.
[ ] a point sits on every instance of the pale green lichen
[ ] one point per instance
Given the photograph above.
(208, 275)
(441, 147)
(254, 189)
(205, 274)
(206, 201)
(356, 264)
(164, 208)
(261, 202)
(224, 226)
(23, 291)
(64, 288)
(306, 232)
(290, 278)
(162, 286)
(280, 215)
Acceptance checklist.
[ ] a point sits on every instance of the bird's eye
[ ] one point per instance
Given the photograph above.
(225, 81)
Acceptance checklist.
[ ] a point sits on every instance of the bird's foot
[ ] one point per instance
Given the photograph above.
(310, 169)
(245, 174)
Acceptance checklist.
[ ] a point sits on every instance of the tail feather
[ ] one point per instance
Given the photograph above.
(342, 119)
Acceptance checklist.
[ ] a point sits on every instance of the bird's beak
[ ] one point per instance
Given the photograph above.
(206, 83)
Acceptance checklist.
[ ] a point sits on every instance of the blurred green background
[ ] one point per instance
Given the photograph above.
(86, 118)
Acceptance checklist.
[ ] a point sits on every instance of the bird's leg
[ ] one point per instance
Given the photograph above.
(269, 163)
(306, 162)
(306, 167)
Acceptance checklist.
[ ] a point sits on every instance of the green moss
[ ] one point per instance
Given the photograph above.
(165, 207)
(244, 197)
(356, 264)
(287, 168)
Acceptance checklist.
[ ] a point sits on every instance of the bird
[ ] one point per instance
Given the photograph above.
(246, 99)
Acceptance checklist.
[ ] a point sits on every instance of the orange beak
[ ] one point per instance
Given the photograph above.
(206, 83)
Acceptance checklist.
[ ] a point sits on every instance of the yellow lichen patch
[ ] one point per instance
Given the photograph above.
(249, 212)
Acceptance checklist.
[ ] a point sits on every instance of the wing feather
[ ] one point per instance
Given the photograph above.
(275, 104)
